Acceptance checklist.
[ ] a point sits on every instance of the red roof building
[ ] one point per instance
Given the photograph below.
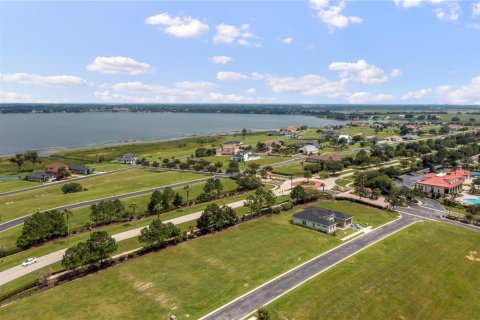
(444, 183)
(54, 167)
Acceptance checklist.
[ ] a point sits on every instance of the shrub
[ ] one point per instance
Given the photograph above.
(72, 187)
(287, 206)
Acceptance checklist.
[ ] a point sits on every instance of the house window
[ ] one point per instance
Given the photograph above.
(304, 222)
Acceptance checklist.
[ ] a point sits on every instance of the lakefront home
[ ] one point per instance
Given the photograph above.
(80, 169)
(242, 156)
(321, 219)
(54, 168)
(228, 149)
(40, 177)
(127, 158)
(308, 149)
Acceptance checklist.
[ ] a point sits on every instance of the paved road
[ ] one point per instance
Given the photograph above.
(66, 181)
(18, 221)
(248, 303)
(46, 260)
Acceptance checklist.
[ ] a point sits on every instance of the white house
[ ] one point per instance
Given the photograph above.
(308, 149)
(346, 137)
(321, 219)
(128, 158)
(244, 156)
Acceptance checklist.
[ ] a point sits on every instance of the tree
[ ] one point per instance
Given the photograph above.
(187, 190)
(215, 218)
(32, 156)
(108, 211)
(244, 132)
(362, 158)
(19, 160)
(298, 194)
(213, 187)
(68, 213)
(263, 314)
(101, 244)
(76, 256)
(177, 200)
(248, 182)
(307, 175)
(158, 233)
(155, 199)
(63, 173)
(72, 187)
(233, 167)
(133, 206)
(42, 226)
(393, 199)
(261, 198)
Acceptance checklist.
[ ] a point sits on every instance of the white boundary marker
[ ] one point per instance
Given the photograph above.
(295, 268)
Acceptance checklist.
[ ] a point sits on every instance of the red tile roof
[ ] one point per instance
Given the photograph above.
(452, 179)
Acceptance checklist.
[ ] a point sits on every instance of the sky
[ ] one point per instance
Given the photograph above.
(318, 51)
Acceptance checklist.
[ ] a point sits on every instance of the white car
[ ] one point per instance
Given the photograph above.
(29, 261)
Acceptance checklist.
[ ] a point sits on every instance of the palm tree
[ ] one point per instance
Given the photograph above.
(89, 225)
(133, 206)
(291, 180)
(158, 208)
(187, 190)
(67, 214)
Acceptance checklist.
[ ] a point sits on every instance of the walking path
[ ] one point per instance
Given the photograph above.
(46, 260)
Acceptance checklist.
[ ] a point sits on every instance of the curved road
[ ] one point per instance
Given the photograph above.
(18, 221)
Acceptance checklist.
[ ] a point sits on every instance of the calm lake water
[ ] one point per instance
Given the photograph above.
(20, 132)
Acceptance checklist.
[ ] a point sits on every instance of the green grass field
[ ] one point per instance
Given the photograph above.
(344, 182)
(175, 280)
(294, 168)
(81, 215)
(10, 185)
(17, 205)
(419, 273)
(231, 262)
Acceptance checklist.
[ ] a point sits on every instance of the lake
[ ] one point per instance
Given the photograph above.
(21, 132)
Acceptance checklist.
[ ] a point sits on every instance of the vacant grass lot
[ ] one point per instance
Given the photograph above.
(192, 278)
(27, 202)
(290, 169)
(419, 273)
(10, 185)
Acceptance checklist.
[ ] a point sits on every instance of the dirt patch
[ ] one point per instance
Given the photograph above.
(402, 318)
(142, 286)
(473, 256)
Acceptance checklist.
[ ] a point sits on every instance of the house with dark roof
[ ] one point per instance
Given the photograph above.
(80, 169)
(40, 177)
(321, 219)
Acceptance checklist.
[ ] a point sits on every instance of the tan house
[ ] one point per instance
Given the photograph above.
(228, 150)
(291, 129)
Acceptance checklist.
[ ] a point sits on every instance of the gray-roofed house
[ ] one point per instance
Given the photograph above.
(40, 177)
(308, 149)
(80, 169)
(321, 219)
(128, 158)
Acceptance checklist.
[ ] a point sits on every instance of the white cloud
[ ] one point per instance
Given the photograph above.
(365, 97)
(221, 59)
(416, 95)
(9, 96)
(180, 27)
(117, 65)
(476, 10)
(359, 71)
(198, 85)
(331, 14)
(49, 81)
(443, 89)
(396, 73)
(138, 92)
(230, 76)
(475, 26)
(449, 12)
(408, 3)
(231, 34)
(252, 91)
(308, 85)
(467, 94)
(287, 40)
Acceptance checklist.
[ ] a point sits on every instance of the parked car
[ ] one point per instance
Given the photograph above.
(28, 262)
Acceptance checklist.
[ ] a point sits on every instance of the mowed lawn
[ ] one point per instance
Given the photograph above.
(27, 202)
(16, 184)
(191, 279)
(422, 272)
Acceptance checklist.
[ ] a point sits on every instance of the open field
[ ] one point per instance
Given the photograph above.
(81, 215)
(231, 262)
(421, 272)
(289, 169)
(16, 184)
(20, 204)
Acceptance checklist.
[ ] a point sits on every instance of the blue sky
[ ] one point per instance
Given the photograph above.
(392, 51)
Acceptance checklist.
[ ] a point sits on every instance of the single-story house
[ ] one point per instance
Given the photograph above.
(54, 167)
(410, 137)
(330, 156)
(444, 183)
(271, 145)
(346, 137)
(127, 158)
(321, 219)
(228, 149)
(308, 149)
(393, 139)
(455, 127)
(80, 169)
(40, 177)
(244, 156)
